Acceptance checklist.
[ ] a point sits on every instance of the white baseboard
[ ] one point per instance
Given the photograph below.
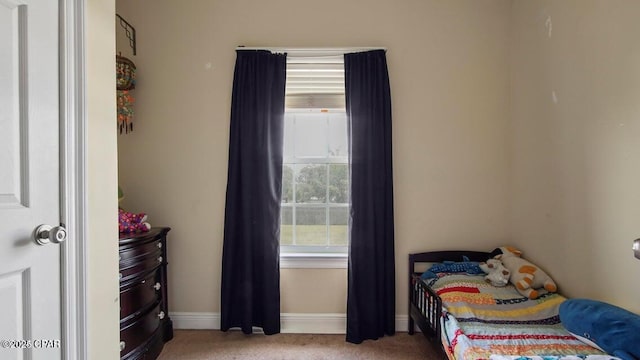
(293, 323)
(195, 320)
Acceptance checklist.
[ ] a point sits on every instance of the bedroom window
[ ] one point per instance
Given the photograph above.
(315, 179)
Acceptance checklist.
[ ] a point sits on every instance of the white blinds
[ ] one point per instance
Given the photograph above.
(315, 80)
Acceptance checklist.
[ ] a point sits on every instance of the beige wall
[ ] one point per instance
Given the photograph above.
(576, 193)
(448, 63)
(102, 246)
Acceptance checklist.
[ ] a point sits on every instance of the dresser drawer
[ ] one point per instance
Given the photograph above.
(138, 332)
(149, 350)
(154, 346)
(139, 295)
(132, 252)
(140, 266)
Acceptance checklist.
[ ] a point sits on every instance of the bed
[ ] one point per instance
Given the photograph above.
(471, 319)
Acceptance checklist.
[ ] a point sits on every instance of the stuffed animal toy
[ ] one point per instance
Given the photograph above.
(610, 328)
(130, 222)
(527, 277)
(497, 274)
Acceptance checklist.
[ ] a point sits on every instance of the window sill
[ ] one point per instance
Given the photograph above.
(313, 261)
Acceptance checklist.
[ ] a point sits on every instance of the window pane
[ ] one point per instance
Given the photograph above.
(311, 135)
(287, 183)
(339, 226)
(311, 226)
(338, 134)
(286, 225)
(288, 134)
(339, 183)
(311, 183)
(315, 182)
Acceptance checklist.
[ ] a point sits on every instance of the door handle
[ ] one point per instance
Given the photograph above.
(45, 234)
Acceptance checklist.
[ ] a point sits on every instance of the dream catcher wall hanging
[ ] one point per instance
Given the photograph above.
(125, 82)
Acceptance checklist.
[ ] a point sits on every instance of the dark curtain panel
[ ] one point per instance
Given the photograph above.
(250, 257)
(371, 288)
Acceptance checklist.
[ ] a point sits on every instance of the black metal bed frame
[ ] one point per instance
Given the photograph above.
(425, 306)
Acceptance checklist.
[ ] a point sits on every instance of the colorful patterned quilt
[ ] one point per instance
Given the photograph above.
(481, 321)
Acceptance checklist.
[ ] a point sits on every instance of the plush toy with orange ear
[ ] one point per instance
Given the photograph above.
(527, 277)
(497, 274)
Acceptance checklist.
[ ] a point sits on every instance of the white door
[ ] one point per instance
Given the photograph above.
(30, 315)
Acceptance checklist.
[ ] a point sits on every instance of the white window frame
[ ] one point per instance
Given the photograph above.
(292, 256)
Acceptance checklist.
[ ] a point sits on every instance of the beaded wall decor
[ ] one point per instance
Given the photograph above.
(125, 110)
(125, 82)
(125, 73)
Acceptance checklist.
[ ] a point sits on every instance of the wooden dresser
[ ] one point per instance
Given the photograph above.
(144, 318)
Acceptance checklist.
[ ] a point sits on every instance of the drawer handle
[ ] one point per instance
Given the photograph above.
(159, 259)
(120, 276)
(159, 245)
(161, 315)
(157, 286)
(122, 345)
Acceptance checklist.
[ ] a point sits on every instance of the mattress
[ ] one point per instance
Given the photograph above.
(481, 321)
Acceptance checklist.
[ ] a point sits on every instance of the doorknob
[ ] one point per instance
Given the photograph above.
(45, 234)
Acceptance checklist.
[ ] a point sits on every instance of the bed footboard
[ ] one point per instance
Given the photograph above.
(425, 309)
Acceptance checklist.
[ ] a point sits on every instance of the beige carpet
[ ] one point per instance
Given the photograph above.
(211, 344)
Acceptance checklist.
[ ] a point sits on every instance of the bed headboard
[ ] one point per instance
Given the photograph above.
(440, 256)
